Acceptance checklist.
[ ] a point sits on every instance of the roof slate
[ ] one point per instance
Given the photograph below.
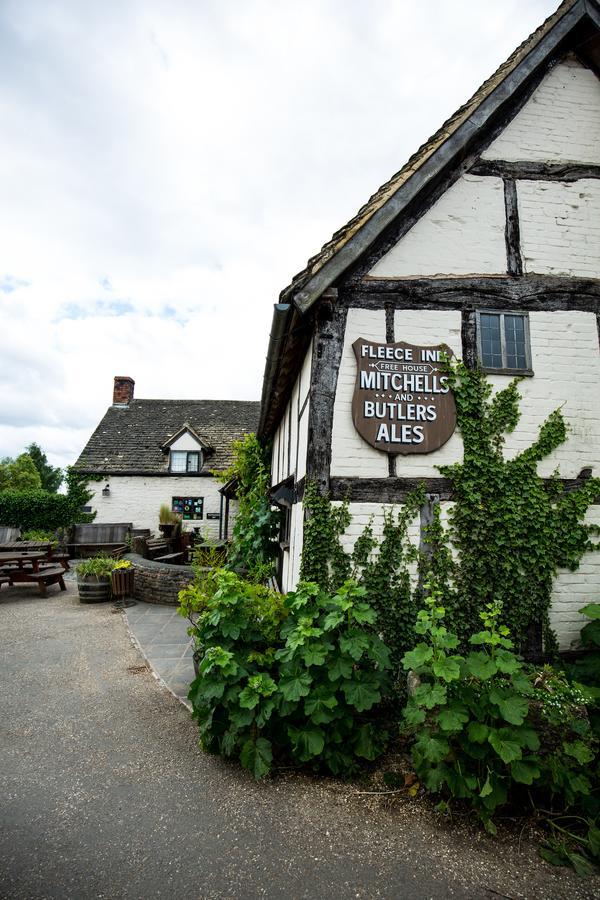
(129, 438)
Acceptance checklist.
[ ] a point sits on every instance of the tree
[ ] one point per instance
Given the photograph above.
(50, 476)
(19, 474)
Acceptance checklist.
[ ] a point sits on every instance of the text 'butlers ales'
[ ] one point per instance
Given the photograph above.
(402, 402)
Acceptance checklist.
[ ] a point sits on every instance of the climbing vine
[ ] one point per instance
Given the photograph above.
(508, 531)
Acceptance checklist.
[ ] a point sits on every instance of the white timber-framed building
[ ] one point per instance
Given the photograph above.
(487, 241)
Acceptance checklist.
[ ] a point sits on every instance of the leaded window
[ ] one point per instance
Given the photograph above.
(185, 461)
(503, 342)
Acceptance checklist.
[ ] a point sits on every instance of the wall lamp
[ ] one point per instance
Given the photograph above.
(106, 490)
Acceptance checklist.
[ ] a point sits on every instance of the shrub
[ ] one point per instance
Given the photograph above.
(36, 509)
(291, 677)
(100, 566)
(480, 722)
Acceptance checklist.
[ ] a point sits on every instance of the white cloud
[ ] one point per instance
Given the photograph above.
(168, 166)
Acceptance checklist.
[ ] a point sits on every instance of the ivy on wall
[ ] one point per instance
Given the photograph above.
(507, 534)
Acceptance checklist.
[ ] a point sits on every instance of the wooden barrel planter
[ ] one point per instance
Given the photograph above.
(94, 588)
(122, 582)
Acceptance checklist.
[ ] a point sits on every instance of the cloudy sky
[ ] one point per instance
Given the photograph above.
(168, 165)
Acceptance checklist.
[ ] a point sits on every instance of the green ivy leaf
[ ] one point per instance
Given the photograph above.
(257, 756)
(505, 746)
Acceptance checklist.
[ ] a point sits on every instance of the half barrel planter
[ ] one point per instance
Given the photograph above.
(94, 588)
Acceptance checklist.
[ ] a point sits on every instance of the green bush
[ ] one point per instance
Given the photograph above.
(100, 566)
(37, 510)
(291, 677)
(484, 728)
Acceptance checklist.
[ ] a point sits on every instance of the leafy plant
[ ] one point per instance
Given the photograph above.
(166, 516)
(122, 564)
(99, 566)
(289, 677)
(253, 546)
(479, 732)
(39, 534)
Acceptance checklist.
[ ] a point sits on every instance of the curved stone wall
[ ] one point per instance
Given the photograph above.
(157, 582)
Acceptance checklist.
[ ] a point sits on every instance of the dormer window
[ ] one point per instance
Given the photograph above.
(185, 461)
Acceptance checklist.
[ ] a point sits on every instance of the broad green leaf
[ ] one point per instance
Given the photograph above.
(413, 715)
(209, 689)
(593, 837)
(434, 749)
(257, 756)
(332, 620)
(319, 705)
(430, 695)
(295, 686)
(478, 732)
(354, 644)
(525, 771)
(241, 717)
(316, 654)
(507, 662)
(229, 740)
(307, 742)
(364, 745)
(487, 789)
(416, 658)
(264, 713)
(579, 751)
(582, 866)
(502, 741)
(590, 634)
(514, 710)
(591, 611)
(364, 614)
(362, 694)
(526, 737)
(341, 667)
(453, 718)
(447, 668)
(379, 653)
(481, 665)
(249, 698)
(579, 784)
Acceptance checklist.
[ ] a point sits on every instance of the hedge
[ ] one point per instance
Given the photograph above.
(39, 510)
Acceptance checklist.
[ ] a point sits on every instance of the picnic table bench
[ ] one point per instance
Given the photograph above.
(28, 567)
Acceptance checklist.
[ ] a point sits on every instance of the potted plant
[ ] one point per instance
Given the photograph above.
(122, 579)
(94, 579)
(168, 521)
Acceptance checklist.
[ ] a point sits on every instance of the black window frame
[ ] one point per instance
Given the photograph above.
(504, 369)
(188, 455)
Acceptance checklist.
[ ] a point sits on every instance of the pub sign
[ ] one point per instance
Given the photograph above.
(402, 402)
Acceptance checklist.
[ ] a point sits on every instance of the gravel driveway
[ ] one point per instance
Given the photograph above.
(104, 793)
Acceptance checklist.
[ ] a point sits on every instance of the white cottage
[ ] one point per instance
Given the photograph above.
(145, 453)
(488, 241)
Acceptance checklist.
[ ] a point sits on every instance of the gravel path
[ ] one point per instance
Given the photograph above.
(104, 793)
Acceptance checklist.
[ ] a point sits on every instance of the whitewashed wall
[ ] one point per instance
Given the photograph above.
(290, 439)
(574, 590)
(560, 227)
(137, 499)
(559, 123)
(186, 442)
(351, 455)
(292, 556)
(462, 234)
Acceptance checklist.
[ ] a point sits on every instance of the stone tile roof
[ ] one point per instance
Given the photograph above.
(129, 438)
(387, 191)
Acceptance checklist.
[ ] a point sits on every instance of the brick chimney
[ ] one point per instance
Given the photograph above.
(123, 390)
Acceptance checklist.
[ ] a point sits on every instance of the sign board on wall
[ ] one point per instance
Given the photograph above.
(402, 403)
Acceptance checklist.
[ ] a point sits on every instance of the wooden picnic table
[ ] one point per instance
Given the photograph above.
(21, 546)
(49, 574)
(20, 558)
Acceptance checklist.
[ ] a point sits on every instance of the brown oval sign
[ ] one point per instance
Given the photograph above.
(402, 403)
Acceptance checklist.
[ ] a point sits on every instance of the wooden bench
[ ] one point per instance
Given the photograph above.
(42, 578)
(170, 558)
(92, 539)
